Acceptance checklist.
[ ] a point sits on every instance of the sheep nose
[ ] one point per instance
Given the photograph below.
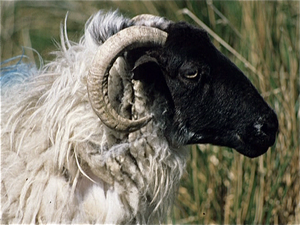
(267, 127)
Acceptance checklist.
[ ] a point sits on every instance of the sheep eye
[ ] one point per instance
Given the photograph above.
(191, 74)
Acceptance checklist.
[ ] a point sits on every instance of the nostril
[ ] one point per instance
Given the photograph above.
(268, 125)
(267, 129)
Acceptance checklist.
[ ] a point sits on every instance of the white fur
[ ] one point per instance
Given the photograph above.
(60, 164)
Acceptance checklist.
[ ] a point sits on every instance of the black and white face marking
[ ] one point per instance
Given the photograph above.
(211, 100)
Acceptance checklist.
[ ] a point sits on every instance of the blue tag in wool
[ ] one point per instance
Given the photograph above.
(16, 73)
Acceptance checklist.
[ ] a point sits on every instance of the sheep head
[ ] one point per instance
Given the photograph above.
(210, 99)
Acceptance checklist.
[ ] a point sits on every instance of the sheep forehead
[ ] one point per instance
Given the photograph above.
(190, 44)
(187, 35)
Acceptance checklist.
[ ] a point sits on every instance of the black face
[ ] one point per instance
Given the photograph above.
(211, 99)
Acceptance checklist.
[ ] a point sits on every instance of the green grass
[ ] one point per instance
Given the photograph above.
(220, 186)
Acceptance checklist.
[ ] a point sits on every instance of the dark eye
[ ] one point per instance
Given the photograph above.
(191, 73)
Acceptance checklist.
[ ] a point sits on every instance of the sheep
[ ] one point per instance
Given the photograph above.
(98, 135)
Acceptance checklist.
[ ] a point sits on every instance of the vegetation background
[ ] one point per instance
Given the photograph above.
(262, 38)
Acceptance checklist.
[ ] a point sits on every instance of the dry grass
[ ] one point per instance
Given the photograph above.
(220, 185)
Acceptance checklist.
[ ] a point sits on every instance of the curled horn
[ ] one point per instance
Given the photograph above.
(97, 79)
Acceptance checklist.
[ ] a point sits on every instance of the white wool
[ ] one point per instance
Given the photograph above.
(60, 164)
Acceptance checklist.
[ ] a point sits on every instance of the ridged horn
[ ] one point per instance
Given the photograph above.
(97, 79)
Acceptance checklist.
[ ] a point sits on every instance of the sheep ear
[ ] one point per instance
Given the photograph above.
(142, 66)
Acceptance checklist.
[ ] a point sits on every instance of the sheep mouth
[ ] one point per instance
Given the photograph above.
(251, 148)
(248, 146)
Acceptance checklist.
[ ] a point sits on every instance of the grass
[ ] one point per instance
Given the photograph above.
(262, 38)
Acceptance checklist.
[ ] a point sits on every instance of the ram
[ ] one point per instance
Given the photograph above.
(98, 134)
